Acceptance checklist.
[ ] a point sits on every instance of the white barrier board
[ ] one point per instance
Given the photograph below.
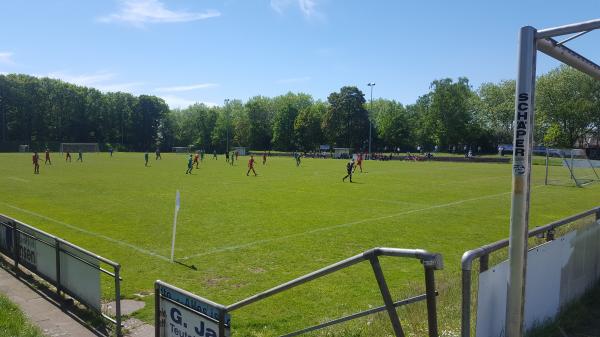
(558, 272)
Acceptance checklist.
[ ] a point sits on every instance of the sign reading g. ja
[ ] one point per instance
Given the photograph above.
(182, 314)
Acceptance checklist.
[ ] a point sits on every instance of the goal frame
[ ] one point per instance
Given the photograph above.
(568, 163)
(530, 41)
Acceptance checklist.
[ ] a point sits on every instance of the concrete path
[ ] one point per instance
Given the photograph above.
(40, 311)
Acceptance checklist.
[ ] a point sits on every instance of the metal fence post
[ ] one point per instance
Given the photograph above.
(15, 246)
(157, 321)
(57, 249)
(222, 323)
(484, 262)
(431, 297)
(466, 303)
(387, 297)
(118, 299)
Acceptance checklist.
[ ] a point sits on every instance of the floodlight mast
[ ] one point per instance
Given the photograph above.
(530, 40)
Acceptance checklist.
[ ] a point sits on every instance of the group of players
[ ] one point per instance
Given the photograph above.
(195, 159)
(36, 159)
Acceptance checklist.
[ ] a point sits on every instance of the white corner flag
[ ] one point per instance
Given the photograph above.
(177, 204)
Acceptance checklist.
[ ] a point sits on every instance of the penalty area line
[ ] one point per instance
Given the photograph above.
(85, 231)
(344, 225)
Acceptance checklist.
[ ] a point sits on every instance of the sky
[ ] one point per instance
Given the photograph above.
(189, 51)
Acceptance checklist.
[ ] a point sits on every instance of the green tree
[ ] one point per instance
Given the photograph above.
(496, 109)
(392, 123)
(450, 110)
(286, 109)
(260, 116)
(307, 126)
(346, 122)
(566, 106)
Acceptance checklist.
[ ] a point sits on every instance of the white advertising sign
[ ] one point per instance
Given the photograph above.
(182, 322)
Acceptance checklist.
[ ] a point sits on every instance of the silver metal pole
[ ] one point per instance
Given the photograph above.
(569, 29)
(547, 164)
(522, 148)
(227, 126)
(370, 121)
(117, 269)
(568, 56)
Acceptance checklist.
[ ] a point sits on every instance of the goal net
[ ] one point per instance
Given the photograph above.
(23, 148)
(79, 147)
(182, 149)
(570, 167)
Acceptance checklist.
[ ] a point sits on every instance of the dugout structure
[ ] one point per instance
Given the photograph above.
(530, 41)
(79, 147)
(570, 166)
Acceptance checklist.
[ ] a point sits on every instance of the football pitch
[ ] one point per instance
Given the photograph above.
(245, 234)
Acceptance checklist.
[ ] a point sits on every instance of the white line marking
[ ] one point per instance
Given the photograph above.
(107, 238)
(349, 224)
(18, 179)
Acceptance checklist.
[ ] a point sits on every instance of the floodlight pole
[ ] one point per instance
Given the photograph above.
(371, 85)
(227, 126)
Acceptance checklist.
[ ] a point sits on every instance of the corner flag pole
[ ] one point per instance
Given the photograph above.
(177, 203)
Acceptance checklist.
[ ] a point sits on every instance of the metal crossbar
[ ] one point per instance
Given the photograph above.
(430, 261)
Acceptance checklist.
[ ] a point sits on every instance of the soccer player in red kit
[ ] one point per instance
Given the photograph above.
(196, 161)
(359, 160)
(68, 157)
(48, 157)
(251, 166)
(36, 163)
(264, 158)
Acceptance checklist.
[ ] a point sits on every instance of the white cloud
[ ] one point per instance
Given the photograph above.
(188, 87)
(122, 87)
(280, 5)
(102, 81)
(294, 80)
(6, 58)
(140, 12)
(307, 7)
(176, 102)
(87, 80)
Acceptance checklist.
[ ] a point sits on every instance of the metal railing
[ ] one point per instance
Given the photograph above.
(17, 230)
(483, 254)
(430, 261)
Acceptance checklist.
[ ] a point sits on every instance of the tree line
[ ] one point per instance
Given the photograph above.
(452, 113)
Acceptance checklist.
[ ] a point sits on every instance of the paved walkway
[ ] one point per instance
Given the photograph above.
(40, 311)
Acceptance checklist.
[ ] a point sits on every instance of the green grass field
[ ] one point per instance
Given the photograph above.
(247, 234)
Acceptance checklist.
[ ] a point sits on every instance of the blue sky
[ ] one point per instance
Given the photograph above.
(190, 51)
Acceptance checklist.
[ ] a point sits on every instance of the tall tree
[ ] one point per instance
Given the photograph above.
(565, 106)
(286, 109)
(346, 122)
(260, 115)
(307, 126)
(496, 109)
(392, 123)
(449, 113)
